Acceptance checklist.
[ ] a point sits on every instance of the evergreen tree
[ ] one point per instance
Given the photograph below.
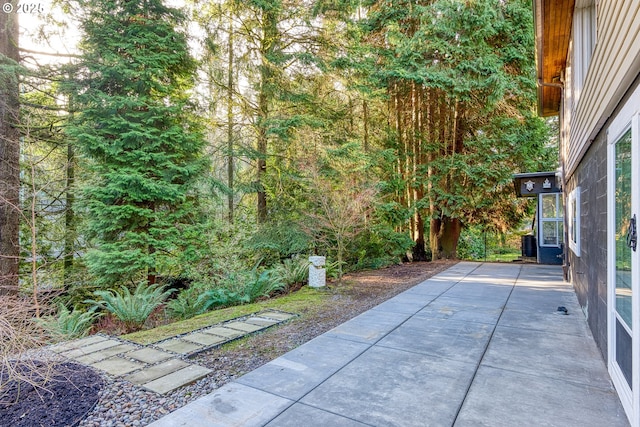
(460, 80)
(9, 153)
(137, 129)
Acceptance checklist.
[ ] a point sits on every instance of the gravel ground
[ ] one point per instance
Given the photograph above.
(122, 404)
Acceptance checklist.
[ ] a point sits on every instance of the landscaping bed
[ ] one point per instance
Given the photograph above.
(122, 403)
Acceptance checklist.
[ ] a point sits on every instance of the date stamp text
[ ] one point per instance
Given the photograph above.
(20, 7)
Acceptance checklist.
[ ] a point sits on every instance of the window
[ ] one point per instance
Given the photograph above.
(584, 41)
(551, 220)
(573, 220)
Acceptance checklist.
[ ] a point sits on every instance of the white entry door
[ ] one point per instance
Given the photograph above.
(624, 260)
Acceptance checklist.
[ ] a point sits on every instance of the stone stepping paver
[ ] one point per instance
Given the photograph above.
(204, 339)
(150, 355)
(161, 367)
(177, 379)
(118, 366)
(72, 345)
(261, 321)
(180, 346)
(223, 332)
(92, 348)
(154, 372)
(277, 315)
(244, 326)
(97, 356)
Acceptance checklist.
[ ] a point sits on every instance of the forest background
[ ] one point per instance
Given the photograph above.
(215, 146)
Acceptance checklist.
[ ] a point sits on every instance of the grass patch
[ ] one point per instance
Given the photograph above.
(509, 256)
(306, 300)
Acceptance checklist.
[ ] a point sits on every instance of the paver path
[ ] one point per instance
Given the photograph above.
(163, 366)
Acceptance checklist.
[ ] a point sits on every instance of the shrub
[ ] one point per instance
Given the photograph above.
(241, 288)
(20, 332)
(292, 271)
(333, 269)
(187, 304)
(378, 247)
(71, 324)
(132, 309)
(221, 297)
(262, 285)
(274, 241)
(471, 244)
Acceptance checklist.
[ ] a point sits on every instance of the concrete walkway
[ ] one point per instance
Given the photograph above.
(477, 345)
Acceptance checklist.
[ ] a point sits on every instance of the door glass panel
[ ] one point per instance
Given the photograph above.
(550, 233)
(623, 215)
(552, 220)
(549, 209)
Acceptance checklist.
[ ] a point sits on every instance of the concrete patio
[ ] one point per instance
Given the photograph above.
(477, 345)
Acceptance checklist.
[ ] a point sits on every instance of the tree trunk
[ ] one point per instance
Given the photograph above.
(230, 121)
(449, 238)
(9, 154)
(365, 119)
(69, 218)
(268, 47)
(419, 249)
(434, 238)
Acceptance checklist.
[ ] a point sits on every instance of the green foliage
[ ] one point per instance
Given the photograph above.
(262, 285)
(71, 324)
(358, 136)
(379, 247)
(479, 244)
(138, 131)
(292, 271)
(471, 245)
(233, 288)
(469, 68)
(334, 269)
(132, 309)
(187, 304)
(277, 240)
(221, 297)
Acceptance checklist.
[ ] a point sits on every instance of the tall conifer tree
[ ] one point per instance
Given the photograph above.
(461, 85)
(137, 129)
(9, 153)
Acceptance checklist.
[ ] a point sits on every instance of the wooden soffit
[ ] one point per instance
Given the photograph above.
(553, 19)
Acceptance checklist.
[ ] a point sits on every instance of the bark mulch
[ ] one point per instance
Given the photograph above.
(49, 395)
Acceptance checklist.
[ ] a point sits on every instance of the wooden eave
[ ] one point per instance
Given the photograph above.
(553, 20)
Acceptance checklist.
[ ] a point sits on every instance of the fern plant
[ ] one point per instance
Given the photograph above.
(186, 305)
(222, 297)
(262, 285)
(132, 309)
(71, 324)
(334, 269)
(292, 271)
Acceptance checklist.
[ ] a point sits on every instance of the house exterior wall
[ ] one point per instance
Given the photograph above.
(612, 68)
(600, 99)
(588, 272)
(591, 99)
